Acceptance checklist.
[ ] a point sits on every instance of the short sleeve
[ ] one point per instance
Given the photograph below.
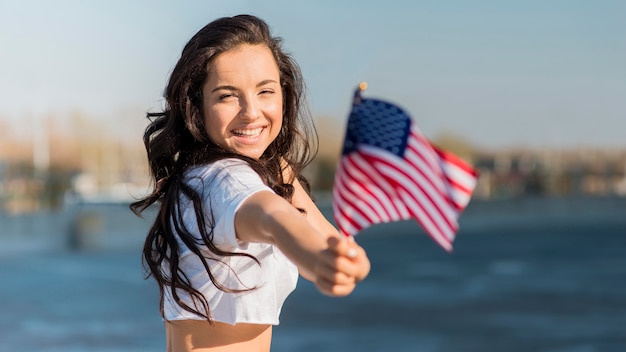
(224, 186)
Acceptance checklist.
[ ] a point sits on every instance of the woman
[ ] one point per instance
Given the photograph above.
(236, 224)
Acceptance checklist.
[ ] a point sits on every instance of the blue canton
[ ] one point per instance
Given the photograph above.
(378, 124)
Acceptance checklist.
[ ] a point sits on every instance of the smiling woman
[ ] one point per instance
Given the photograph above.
(243, 100)
(236, 223)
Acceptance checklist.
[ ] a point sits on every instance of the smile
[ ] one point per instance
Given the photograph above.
(248, 132)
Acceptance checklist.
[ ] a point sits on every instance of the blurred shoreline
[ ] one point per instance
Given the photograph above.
(112, 226)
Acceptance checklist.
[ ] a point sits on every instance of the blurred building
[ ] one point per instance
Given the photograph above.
(82, 163)
(582, 171)
(87, 162)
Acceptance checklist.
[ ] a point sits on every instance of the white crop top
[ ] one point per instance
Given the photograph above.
(224, 185)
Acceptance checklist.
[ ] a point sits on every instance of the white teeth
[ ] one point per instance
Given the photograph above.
(248, 133)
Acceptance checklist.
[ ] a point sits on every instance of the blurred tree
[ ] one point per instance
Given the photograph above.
(457, 145)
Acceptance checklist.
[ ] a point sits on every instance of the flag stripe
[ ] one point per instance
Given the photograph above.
(355, 178)
(351, 222)
(421, 201)
(456, 176)
(396, 173)
(418, 156)
(383, 193)
(345, 223)
(438, 183)
(370, 197)
(371, 176)
(369, 211)
(450, 158)
(437, 236)
(389, 171)
(452, 170)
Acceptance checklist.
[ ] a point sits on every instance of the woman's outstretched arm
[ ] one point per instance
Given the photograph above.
(333, 263)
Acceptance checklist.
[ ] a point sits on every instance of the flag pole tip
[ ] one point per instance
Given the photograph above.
(357, 93)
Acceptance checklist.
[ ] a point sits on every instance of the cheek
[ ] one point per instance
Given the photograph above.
(214, 119)
(278, 122)
(277, 113)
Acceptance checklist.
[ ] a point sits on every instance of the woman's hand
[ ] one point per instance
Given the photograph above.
(333, 262)
(341, 266)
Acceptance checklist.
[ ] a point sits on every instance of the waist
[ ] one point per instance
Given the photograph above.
(197, 335)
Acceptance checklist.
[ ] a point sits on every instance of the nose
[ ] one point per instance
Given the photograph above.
(250, 109)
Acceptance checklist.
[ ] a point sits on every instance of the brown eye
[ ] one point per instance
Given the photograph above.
(225, 96)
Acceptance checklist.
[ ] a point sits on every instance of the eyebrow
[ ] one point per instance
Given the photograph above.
(232, 88)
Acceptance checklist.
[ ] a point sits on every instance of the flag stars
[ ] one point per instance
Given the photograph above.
(378, 124)
(373, 185)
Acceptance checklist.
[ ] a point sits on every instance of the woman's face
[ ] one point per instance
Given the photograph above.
(243, 100)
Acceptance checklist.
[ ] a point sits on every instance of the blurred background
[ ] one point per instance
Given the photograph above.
(531, 93)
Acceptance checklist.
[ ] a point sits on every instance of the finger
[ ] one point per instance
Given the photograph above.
(335, 275)
(357, 266)
(344, 246)
(330, 264)
(332, 289)
(333, 243)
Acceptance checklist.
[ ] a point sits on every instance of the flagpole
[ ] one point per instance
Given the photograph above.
(356, 100)
(388, 171)
(357, 93)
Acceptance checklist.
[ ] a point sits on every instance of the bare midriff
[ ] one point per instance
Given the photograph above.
(200, 336)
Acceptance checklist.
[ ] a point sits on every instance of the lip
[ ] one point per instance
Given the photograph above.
(248, 132)
(248, 135)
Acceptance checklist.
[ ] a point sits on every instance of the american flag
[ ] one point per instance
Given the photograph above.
(389, 172)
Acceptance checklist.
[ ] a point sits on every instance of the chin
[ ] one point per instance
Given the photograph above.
(250, 154)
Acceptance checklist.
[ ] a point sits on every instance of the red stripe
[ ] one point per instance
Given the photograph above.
(405, 172)
(375, 181)
(351, 176)
(447, 181)
(436, 181)
(427, 184)
(366, 184)
(455, 160)
(430, 214)
(438, 237)
(348, 195)
(354, 203)
(424, 152)
(427, 218)
(343, 218)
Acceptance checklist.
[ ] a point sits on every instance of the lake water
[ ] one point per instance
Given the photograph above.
(531, 275)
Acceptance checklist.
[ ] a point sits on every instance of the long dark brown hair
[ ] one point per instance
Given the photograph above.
(176, 139)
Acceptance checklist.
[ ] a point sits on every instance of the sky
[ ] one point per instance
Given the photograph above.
(497, 74)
